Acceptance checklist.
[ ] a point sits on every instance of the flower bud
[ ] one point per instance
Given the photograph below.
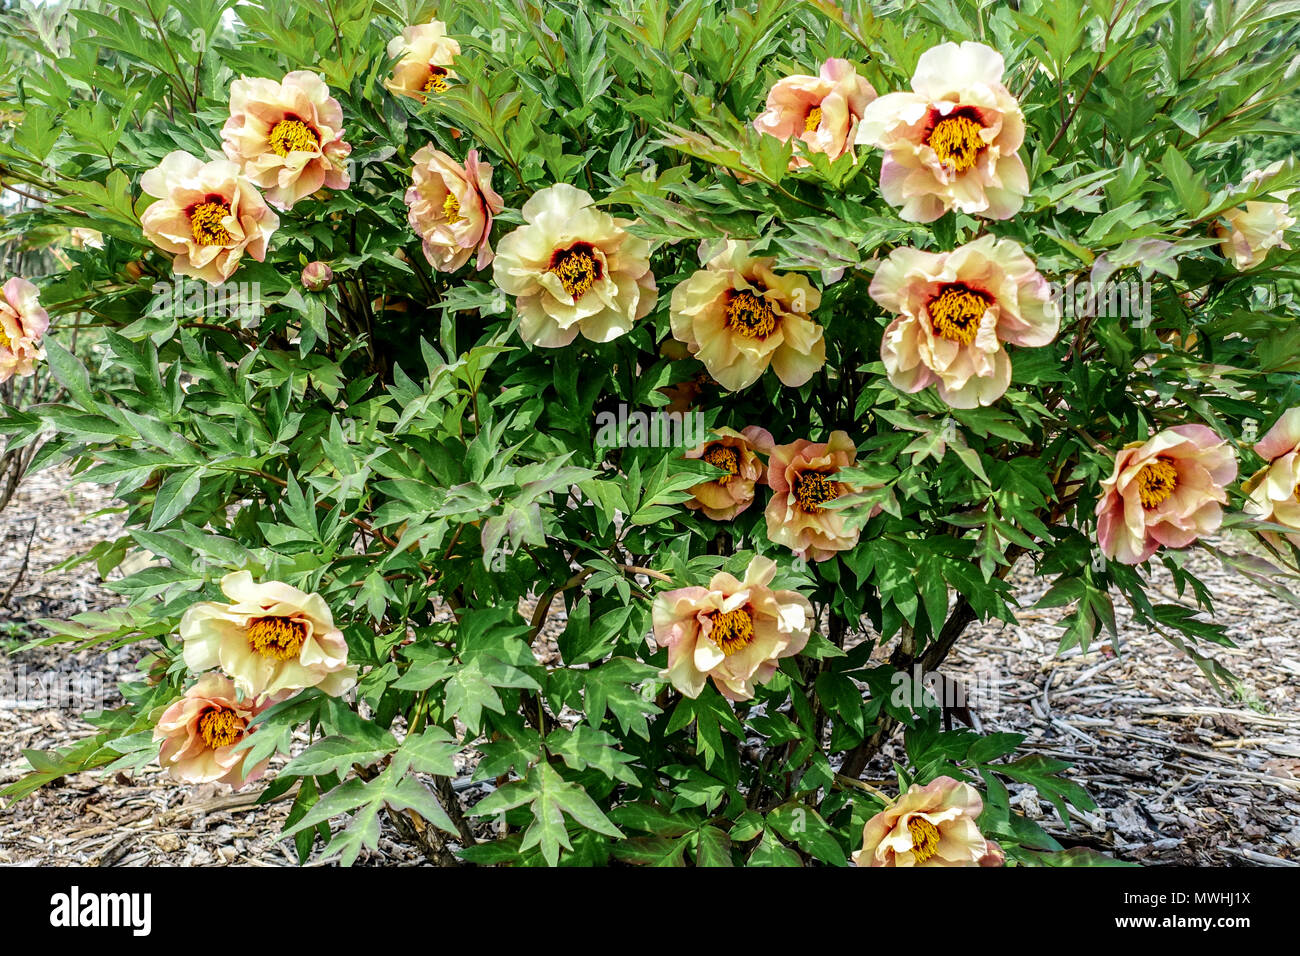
(316, 276)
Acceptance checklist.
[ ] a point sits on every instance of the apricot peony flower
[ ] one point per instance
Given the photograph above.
(802, 478)
(951, 143)
(207, 216)
(199, 733)
(287, 137)
(728, 495)
(22, 323)
(955, 309)
(573, 268)
(932, 825)
(738, 317)
(451, 208)
(1253, 229)
(271, 638)
(732, 631)
(1275, 489)
(426, 54)
(820, 112)
(1166, 491)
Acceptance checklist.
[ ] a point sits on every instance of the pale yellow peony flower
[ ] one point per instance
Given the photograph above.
(1251, 230)
(22, 324)
(1168, 490)
(820, 112)
(738, 317)
(287, 137)
(573, 268)
(270, 638)
(802, 476)
(451, 208)
(955, 310)
(952, 142)
(733, 632)
(725, 497)
(426, 54)
(207, 216)
(1275, 489)
(932, 825)
(199, 734)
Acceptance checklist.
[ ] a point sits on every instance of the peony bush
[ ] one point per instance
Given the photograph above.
(882, 300)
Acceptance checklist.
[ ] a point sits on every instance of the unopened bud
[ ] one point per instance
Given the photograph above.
(316, 276)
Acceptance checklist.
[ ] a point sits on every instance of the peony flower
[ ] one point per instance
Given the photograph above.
(22, 323)
(316, 276)
(451, 208)
(951, 143)
(287, 137)
(820, 112)
(802, 478)
(955, 309)
(426, 54)
(1166, 491)
(573, 268)
(932, 825)
(732, 631)
(1275, 489)
(1253, 229)
(270, 638)
(207, 216)
(726, 496)
(200, 731)
(738, 317)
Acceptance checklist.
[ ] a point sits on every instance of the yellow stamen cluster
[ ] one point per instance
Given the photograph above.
(277, 638)
(955, 313)
(733, 631)
(205, 221)
(749, 315)
(957, 142)
(725, 457)
(1156, 482)
(437, 81)
(451, 209)
(292, 134)
(813, 488)
(925, 838)
(577, 270)
(220, 728)
(813, 120)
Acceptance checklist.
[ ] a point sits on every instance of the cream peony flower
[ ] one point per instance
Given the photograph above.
(573, 268)
(1275, 489)
(199, 733)
(952, 142)
(802, 478)
(732, 631)
(820, 112)
(207, 216)
(451, 208)
(270, 638)
(1166, 491)
(932, 825)
(287, 137)
(22, 324)
(955, 309)
(727, 496)
(426, 54)
(1251, 230)
(738, 317)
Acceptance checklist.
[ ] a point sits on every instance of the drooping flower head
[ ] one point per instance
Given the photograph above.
(426, 54)
(287, 137)
(733, 632)
(955, 310)
(723, 498)
(803, 477)
(1168, 490)
(1275, 489)
(270, 638)
(932, 825)
(199, 733)
(451, 208)
(573, 268)
(22, 324)
(1251, 230)
(952, 142)
(207, 216)
(738, 317)
(820, 112)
